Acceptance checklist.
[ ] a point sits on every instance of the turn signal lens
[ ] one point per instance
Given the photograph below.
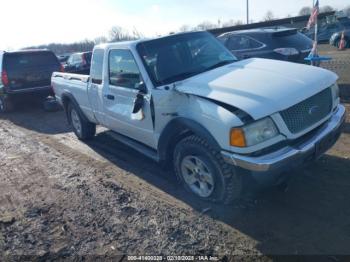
(254, 133)
(237, 138)
(4, 78)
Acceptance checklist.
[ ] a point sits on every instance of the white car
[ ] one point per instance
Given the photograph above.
(185, 100)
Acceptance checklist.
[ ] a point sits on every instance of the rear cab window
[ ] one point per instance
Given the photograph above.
(97, 66)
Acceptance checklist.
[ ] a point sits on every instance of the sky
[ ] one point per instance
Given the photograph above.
(33, 22)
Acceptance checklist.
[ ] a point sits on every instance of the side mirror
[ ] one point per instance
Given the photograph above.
(141, 87)
(138, 103)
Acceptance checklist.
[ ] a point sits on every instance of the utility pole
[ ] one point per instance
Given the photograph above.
(247, 11)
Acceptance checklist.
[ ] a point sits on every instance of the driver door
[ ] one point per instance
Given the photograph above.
(120, 95)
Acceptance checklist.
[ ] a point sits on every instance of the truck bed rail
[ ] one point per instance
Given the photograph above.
(68, 76)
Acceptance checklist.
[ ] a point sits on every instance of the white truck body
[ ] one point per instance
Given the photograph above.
(217, 101)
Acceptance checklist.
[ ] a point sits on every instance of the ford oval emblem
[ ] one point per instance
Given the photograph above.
(313, 110)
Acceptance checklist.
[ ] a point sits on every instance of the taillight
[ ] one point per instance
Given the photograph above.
(62, 68)
(4, 78)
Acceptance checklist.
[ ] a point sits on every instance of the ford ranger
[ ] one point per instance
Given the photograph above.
(185, 100)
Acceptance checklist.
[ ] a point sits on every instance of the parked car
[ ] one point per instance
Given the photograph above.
(326, 30)
(63, 59)
(79, 63)
(26, 73)
(335, 39)
(278, 43)
(220, 122)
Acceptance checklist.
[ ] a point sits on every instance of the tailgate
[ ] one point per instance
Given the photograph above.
(28, 71)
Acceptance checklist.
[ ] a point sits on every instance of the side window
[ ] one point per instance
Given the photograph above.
(97, 66)
(70, 60)
(123, 70)
(242, 43)
(78, 59)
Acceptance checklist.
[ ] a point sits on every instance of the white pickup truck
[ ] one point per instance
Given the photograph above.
(185, 99)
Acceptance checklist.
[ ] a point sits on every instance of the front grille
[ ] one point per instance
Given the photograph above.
(309, 112)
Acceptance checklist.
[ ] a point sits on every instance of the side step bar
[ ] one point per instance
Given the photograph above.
(139, 147)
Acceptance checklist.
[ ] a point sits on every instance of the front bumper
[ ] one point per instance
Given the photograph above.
(282, 160)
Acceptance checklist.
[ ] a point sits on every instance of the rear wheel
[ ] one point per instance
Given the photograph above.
(82, 128)
(5, 105)
(204, 173)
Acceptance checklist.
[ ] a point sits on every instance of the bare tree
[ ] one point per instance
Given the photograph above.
(117, 34)
(305, 11)
(185, 28)
(206, 25)
(232, 23)
(100, 40)
(326, 8)
(269, 16)
(136, 34)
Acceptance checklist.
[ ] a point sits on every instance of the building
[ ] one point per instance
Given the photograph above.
(298, 22)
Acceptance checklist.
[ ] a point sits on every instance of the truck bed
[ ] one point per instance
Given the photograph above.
(75, 85)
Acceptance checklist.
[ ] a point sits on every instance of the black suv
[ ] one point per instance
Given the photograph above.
(285, 44)
(26, 73)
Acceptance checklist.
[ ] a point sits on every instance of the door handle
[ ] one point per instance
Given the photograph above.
(110, 97)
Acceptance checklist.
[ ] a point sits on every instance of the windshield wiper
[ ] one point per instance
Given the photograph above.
(178, 77)
(185, 75)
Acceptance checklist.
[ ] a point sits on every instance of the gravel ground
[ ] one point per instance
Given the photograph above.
(60, 197)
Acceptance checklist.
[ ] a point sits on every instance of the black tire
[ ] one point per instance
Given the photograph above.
(87, 129)
(6, 105)
(228, 184)
(51, 105)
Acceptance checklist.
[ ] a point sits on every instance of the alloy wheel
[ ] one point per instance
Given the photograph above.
(197, 176)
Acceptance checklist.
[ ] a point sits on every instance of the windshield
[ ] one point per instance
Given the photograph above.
(20, 61)
(178, 57)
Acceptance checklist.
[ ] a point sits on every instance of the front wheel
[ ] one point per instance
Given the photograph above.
(82, 128)
(204, 173)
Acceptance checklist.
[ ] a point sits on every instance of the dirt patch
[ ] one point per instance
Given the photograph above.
(339, 64)
(67, 203)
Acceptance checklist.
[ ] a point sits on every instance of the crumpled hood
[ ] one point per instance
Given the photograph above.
(260, 87)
